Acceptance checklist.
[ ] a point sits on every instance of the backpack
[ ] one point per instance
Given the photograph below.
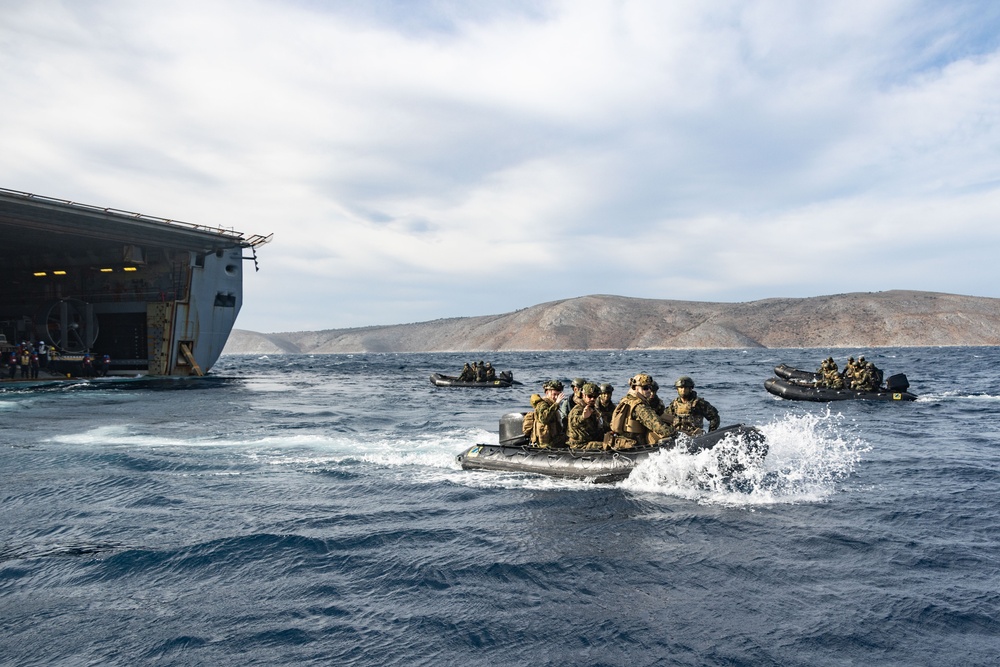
(528, 425)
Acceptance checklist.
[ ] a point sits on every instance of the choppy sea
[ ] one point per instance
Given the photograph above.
(308, 510)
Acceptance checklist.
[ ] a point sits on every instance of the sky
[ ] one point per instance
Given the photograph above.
(418, 160)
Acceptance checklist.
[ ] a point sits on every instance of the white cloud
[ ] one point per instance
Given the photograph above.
(422, 160)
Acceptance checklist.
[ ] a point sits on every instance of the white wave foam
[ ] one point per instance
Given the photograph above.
(425, 450)
(955, 394)
(807, 457)
(116, 436)
(268, 385)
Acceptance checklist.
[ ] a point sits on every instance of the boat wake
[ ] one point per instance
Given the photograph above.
(809, 456)
(959, 395)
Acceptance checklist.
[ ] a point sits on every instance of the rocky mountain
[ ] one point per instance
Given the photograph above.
(895, 318)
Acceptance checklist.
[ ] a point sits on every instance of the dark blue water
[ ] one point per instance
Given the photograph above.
(308, 510)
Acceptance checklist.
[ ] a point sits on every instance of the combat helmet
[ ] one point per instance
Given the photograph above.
(589, 389)
(640, 380)
(553, 384)
(607, 388)
(684, 381)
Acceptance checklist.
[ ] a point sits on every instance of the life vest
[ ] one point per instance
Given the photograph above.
(687, 415)
(622, 422)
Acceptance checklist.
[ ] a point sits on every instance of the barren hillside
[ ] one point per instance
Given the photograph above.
(877, 319)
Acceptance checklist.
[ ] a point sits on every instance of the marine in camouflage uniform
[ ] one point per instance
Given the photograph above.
(635, 420)
(655, 402)
(858, 379)
(576, 385)
(831, 375)
(848, 374)
(548, 430)
(689, 411)
(585, 429)
(870, 378)
(605, 405)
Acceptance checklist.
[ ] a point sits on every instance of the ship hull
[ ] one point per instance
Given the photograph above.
(157, 296)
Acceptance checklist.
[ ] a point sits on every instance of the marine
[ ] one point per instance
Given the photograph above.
(689, 411)
(585, 430)
(634, 422)
(576, 385)
(831, 375)
(605, 405)
(547, 430)
(849, 369)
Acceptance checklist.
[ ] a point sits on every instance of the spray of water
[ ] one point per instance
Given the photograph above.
(808, 456)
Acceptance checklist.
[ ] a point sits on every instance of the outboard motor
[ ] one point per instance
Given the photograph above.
(897, 382)
(511, 430)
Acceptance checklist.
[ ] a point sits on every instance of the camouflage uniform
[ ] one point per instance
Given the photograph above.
(688, 415)
(859, 378)
(635, 419)
(655, 402)
(871, 378)
(831, 376)
(548, 430)
(569, 403)
(585, 431)
(849, 369)
(605, 406)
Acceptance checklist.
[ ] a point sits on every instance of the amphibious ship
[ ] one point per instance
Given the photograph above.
(158, 296)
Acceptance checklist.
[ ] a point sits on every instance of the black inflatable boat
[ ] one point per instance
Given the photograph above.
(799, 385)
(747, 446)
(504, 379)
(789, 373)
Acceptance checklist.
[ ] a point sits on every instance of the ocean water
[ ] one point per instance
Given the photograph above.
(308, 510)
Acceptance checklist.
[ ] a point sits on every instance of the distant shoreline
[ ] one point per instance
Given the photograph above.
(605, 323)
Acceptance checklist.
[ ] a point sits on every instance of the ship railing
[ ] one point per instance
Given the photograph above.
(223, 231)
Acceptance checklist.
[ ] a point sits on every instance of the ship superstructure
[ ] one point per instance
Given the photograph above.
(158, 296)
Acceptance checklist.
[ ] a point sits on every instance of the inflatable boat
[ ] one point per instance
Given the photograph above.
(743, 446)
(799, 385)
(788, 373)
(503, 379)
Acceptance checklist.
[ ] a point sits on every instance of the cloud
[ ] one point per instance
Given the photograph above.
(418, 160)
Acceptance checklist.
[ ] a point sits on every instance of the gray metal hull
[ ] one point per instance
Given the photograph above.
(158, 296)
